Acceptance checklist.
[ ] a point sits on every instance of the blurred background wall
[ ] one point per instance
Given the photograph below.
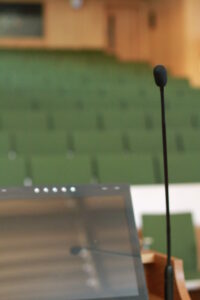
(137, 30)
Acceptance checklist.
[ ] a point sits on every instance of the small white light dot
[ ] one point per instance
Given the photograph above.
(45, 190)
(54, 189)
(104, 188)
(64, 189)
(4, 190)
(36, 190)
(117, 188)
(73, 189)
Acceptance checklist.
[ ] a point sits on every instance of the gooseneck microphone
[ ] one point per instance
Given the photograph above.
(160, 76)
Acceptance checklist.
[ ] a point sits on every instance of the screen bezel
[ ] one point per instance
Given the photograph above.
(81, 191)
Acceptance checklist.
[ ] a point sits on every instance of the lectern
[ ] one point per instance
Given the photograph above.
(74, 243)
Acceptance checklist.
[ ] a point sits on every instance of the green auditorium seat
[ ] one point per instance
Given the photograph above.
(126, 169)
(174, 119)
(58, 103)
(146, 101)
(5, 143)
(74, 120)
(124, 119)
(183, 239)
(186, 97)
(98, 142)
(41, 143)
(101, 104)
(183, 168)
(23, 120)
(59, 170)
(16, 103)
(190, 140)
(12, 172)
(151, 141)
(184, 102)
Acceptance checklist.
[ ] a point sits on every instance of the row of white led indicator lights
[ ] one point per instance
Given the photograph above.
(63, 189)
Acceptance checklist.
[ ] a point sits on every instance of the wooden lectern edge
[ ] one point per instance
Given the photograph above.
(154, 265)
(180, 278)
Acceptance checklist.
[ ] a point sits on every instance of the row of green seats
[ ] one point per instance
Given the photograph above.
(183, 168)
(88, 120)
(96, 142)
(113, 87)
(132, 169)
(50, 103)
(60, 72)
(105, 82)
(51, 170)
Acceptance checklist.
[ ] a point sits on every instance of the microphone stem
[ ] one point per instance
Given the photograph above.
(169, 267)
(165, 160)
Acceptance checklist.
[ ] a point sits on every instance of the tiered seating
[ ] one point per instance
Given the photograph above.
(98, 142)
(74, 120)
(190, 140)
(12, 172)
(101, 104)
(5, 143)
(57, 170)
(183, 168)
(59, 107)
(124, 120)
(41, 143)
(10, 103)
(174, 119)
(60, 103)
(150, 141)
(132, 169)
(23, 120)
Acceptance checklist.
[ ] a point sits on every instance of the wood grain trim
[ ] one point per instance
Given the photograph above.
(155, 277)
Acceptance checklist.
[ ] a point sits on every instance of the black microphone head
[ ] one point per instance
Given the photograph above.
(75, 250)
(160, 75)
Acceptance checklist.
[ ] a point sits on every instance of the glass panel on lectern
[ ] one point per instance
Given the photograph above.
(68, 243)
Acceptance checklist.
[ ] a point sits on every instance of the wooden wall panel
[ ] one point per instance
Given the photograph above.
(69, 28)
(175, 41)
(126, 34)
(176, 24)
(166, 40)
(131, 29)
(143, 33)
(192, 40)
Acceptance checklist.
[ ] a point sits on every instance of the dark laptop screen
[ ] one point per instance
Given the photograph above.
(69, 243)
